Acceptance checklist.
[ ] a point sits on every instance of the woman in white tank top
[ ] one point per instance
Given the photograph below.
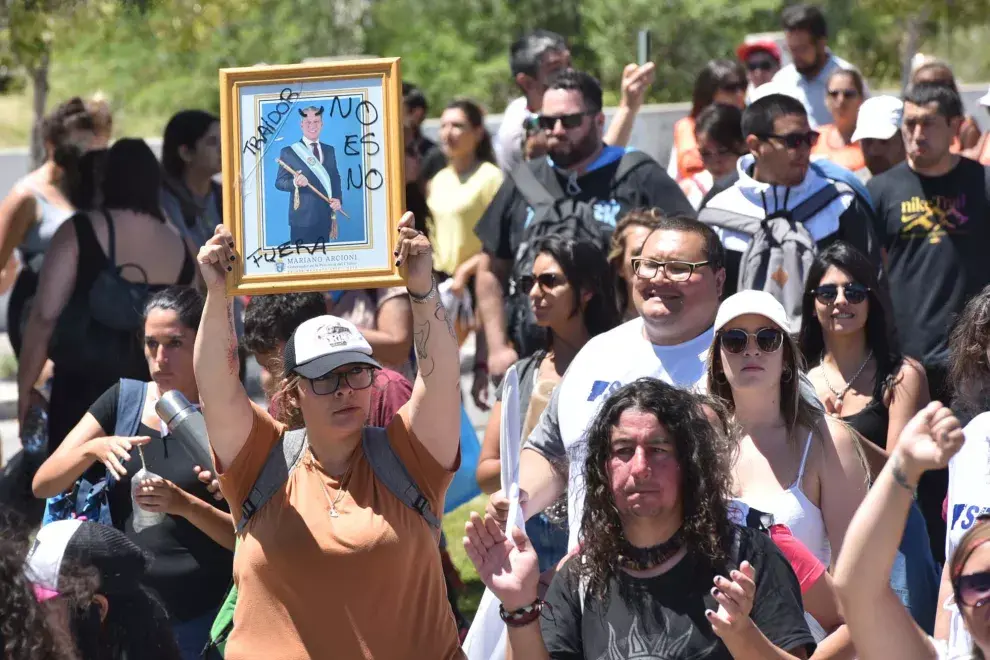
(793, 462)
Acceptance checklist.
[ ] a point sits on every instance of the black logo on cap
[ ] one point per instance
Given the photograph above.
(335, 334)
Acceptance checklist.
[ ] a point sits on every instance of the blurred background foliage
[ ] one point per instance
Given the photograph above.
(153, 57)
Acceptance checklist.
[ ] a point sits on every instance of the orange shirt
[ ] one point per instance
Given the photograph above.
(366, 585)
(686, 148)
(849, 156)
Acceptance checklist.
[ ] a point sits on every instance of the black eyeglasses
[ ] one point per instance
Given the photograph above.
(972, 590)
(548, 122)
(854, 292)
(768, 340)
(795, 140)
(759, 65)
(847, 93)
(675, 271)
(546, 281)
(357, 378)
(708, 154)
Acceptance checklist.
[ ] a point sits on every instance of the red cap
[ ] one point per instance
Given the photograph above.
(745, 50)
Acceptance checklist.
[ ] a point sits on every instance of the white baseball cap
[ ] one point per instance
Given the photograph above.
(751, 302)
(879, 118)
(985, 99)
(322, 344)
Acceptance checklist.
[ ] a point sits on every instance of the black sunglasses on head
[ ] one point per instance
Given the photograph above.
(768, 340)
(548, 122)
(854, 292)
(794, 140)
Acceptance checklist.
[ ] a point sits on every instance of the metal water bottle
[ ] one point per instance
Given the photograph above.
(185, 422)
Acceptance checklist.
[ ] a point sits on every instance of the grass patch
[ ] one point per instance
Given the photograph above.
(453, 527)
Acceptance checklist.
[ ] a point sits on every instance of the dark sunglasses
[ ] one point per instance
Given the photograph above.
(795, 140)
(854, 292)
(358, 378)
(972, 590)
(548, 122)
(546, 281)
(759, 65)
(708, 154)
(847, 93)
(768, 340)
(734, 88)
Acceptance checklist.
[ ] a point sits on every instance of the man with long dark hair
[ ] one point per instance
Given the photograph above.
(662, 572)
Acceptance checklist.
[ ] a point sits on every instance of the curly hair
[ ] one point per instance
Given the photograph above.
(704, 457)
(24, 630)
(969, 370)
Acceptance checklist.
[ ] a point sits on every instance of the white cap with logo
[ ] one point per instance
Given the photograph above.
(879, 118)
(322, 344)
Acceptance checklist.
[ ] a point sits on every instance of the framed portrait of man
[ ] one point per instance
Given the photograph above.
(312, 170)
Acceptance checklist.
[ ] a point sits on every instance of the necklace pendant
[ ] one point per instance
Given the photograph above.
(333, 512)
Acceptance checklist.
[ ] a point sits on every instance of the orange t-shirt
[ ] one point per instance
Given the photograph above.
(366, 585)
(686, 147)
(849, 156)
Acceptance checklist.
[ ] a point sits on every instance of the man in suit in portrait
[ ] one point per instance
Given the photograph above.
(316, 180)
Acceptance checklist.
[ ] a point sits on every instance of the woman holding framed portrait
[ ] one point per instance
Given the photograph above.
(315, 560)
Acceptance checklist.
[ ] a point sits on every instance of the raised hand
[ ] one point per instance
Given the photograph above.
(414, 250)
(735, 596)
(636, 79)
(216, 259)
(113, 451)
(509, 567)
(929, 439)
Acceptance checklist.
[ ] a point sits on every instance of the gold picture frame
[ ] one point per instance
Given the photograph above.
(313, 182)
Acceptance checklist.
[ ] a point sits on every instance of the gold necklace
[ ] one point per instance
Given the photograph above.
(332, 511)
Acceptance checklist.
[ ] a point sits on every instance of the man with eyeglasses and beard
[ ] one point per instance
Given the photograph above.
(580, 169)
(776, 180)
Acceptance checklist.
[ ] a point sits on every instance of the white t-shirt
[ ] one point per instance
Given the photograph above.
(606, 363)
(969, 497)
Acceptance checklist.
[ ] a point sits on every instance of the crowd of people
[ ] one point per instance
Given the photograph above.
(754, 387)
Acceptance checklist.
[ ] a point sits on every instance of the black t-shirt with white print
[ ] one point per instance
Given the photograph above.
(663, 617)
(648, 185)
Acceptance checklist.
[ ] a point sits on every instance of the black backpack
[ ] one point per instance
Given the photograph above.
(555, 213)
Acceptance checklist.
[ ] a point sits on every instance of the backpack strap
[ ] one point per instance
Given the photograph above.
(533, 190)
(281, 461)
(630, 161)
(389, 469)
(817, 202)
(730, 220)
(130, 406)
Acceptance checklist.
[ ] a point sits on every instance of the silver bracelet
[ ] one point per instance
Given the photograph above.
(429, 294)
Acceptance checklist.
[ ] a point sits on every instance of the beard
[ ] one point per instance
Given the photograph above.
(580, 150)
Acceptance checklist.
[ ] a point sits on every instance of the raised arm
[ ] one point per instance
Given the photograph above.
(636, 79)
(57, 280)
(880, 626)
(435, 404)
(226, 405)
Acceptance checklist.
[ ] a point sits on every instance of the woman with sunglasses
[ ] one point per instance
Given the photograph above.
(721, 81)
(880, 626)
(334, 565)
(969, 474)
(570, 292)
(845, 94)
(862, 378)
(794, 462)
(718, 130)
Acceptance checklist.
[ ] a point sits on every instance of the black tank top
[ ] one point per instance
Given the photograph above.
(873, 421)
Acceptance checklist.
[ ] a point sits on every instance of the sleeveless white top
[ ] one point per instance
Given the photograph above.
(802, 517)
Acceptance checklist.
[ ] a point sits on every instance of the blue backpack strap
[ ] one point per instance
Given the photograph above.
(392, 473)
(130, 406)
(274, 473)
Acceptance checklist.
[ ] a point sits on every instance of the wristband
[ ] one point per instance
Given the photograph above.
(429, 294)
(523, 616)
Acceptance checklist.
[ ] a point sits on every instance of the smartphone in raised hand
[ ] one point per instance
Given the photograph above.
(643, 47)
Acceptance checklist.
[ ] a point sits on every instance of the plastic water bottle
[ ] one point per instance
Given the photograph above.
(143, 519)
